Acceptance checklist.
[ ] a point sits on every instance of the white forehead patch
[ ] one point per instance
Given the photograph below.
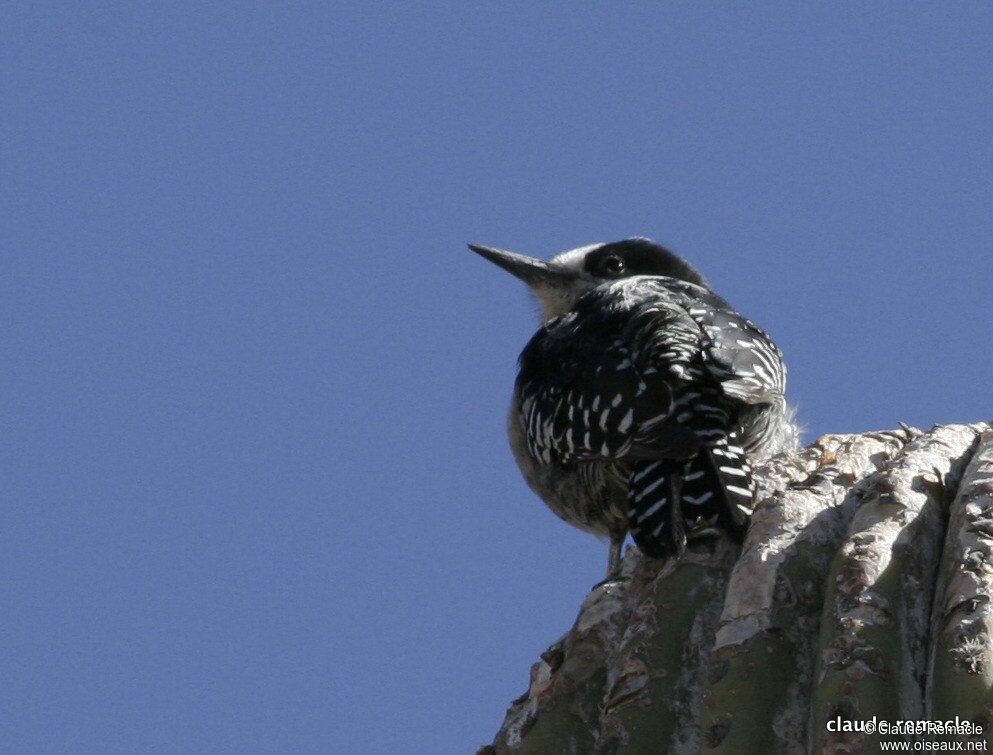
(573, 259)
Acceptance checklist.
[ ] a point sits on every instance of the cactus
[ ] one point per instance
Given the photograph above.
(863, 588)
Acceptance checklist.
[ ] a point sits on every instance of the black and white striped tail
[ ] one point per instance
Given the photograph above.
(666, 497)
(655, 519)
(718, 488)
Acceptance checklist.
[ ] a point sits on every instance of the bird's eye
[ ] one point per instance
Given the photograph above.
(612, 265)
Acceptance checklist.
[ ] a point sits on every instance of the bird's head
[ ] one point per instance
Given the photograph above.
(560, 282)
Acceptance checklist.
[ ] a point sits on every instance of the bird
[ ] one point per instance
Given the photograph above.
(644, 399)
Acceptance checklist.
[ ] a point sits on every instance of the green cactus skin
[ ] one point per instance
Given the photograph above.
(653, 702)
(960, 679)
(873, 641)
(863, 588)
(758, 690)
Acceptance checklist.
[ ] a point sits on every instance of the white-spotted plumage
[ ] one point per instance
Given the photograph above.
(641, 399)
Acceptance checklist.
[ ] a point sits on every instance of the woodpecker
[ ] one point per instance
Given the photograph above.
(644, 397)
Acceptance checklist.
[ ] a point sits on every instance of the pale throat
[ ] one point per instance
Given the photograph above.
(556, 300)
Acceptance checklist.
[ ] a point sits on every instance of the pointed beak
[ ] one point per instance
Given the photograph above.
(531, 270)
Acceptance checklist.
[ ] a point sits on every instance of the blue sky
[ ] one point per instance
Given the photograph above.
(257, 493)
